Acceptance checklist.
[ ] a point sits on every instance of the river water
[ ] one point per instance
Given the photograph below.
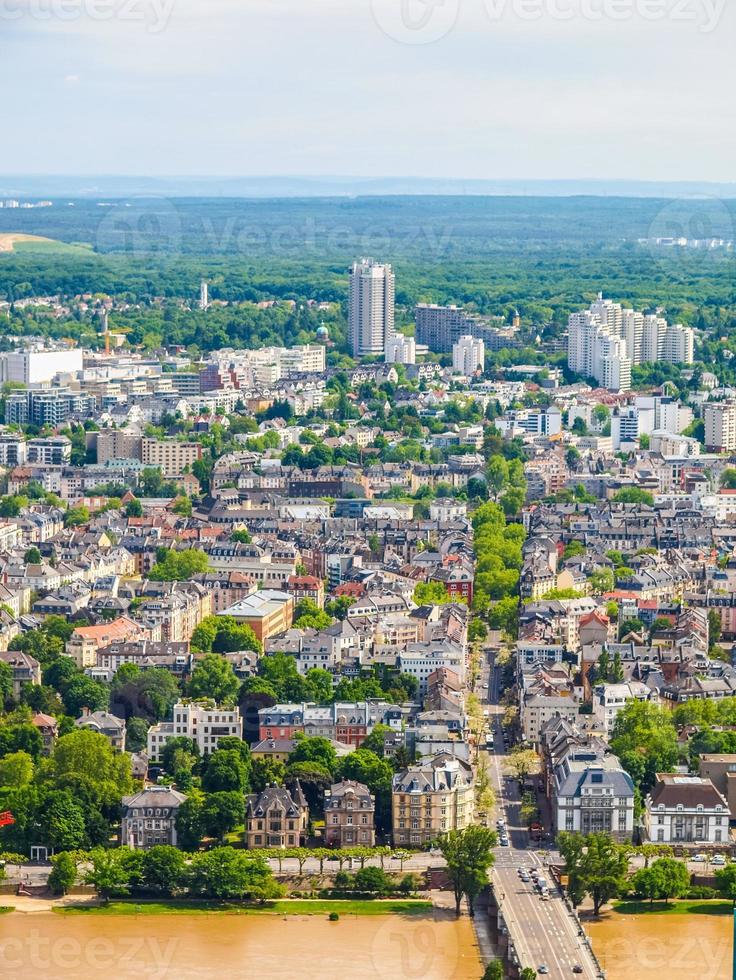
(228, 947)
(664, 947)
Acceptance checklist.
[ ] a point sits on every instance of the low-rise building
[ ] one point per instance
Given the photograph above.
(25, 669)
(540, 708)
(85, 641)
(306, 587)
(721, 770)
(149, 817)
(267, 612)
(683, 809)
(349, 815)
(112, 727)
(347, 722)
(593, 794)
(276, 817)
(609, 700)
(48, 726)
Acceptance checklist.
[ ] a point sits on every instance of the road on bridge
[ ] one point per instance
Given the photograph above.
(544, 933)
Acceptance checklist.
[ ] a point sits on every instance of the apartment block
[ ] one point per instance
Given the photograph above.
(440, 327)
(605, 341)
(401, 350)
(50, 451)
(720, 426)
(202, 721)
(172, 457)
(468, 356)
(118, 444)
(47, 406)
(431, 798)
(13, 449)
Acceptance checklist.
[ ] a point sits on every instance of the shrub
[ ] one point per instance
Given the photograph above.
(409, 883)
(334, 917)
(703, 891)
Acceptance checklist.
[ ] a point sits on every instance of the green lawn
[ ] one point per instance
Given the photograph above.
(287, 906)
(6, 908)
(679, 907)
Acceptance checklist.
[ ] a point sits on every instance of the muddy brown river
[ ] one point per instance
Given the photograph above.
(227, 947)
(665, 947)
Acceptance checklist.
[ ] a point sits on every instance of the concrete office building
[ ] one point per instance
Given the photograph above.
(39, 366)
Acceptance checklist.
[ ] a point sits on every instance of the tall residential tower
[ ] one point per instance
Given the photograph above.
(370, 307)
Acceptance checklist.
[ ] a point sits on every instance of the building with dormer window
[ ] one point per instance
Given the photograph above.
(431, 798)
(349, 815)
(276, 817)
(149, 817)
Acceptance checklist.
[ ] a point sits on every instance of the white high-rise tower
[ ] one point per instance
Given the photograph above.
(370, 307)
(204, 295)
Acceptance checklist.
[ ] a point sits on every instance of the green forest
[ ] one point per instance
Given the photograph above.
(542, 256)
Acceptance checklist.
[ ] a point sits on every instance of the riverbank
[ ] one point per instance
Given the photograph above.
(675, 907)
(295, 906)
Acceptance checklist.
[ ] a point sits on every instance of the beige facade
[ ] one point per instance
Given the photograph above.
(431, 798)
(169, 455)
(276, 817)
(118, 444)
(267, 612)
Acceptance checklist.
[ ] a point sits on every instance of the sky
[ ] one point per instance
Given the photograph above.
(495, 89)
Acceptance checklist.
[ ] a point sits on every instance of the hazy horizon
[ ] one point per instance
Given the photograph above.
(538, 89)
(349, 186)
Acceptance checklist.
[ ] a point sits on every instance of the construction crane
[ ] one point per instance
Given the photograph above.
(107, 333)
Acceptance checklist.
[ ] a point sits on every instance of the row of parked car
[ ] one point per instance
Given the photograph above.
(717, 859)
